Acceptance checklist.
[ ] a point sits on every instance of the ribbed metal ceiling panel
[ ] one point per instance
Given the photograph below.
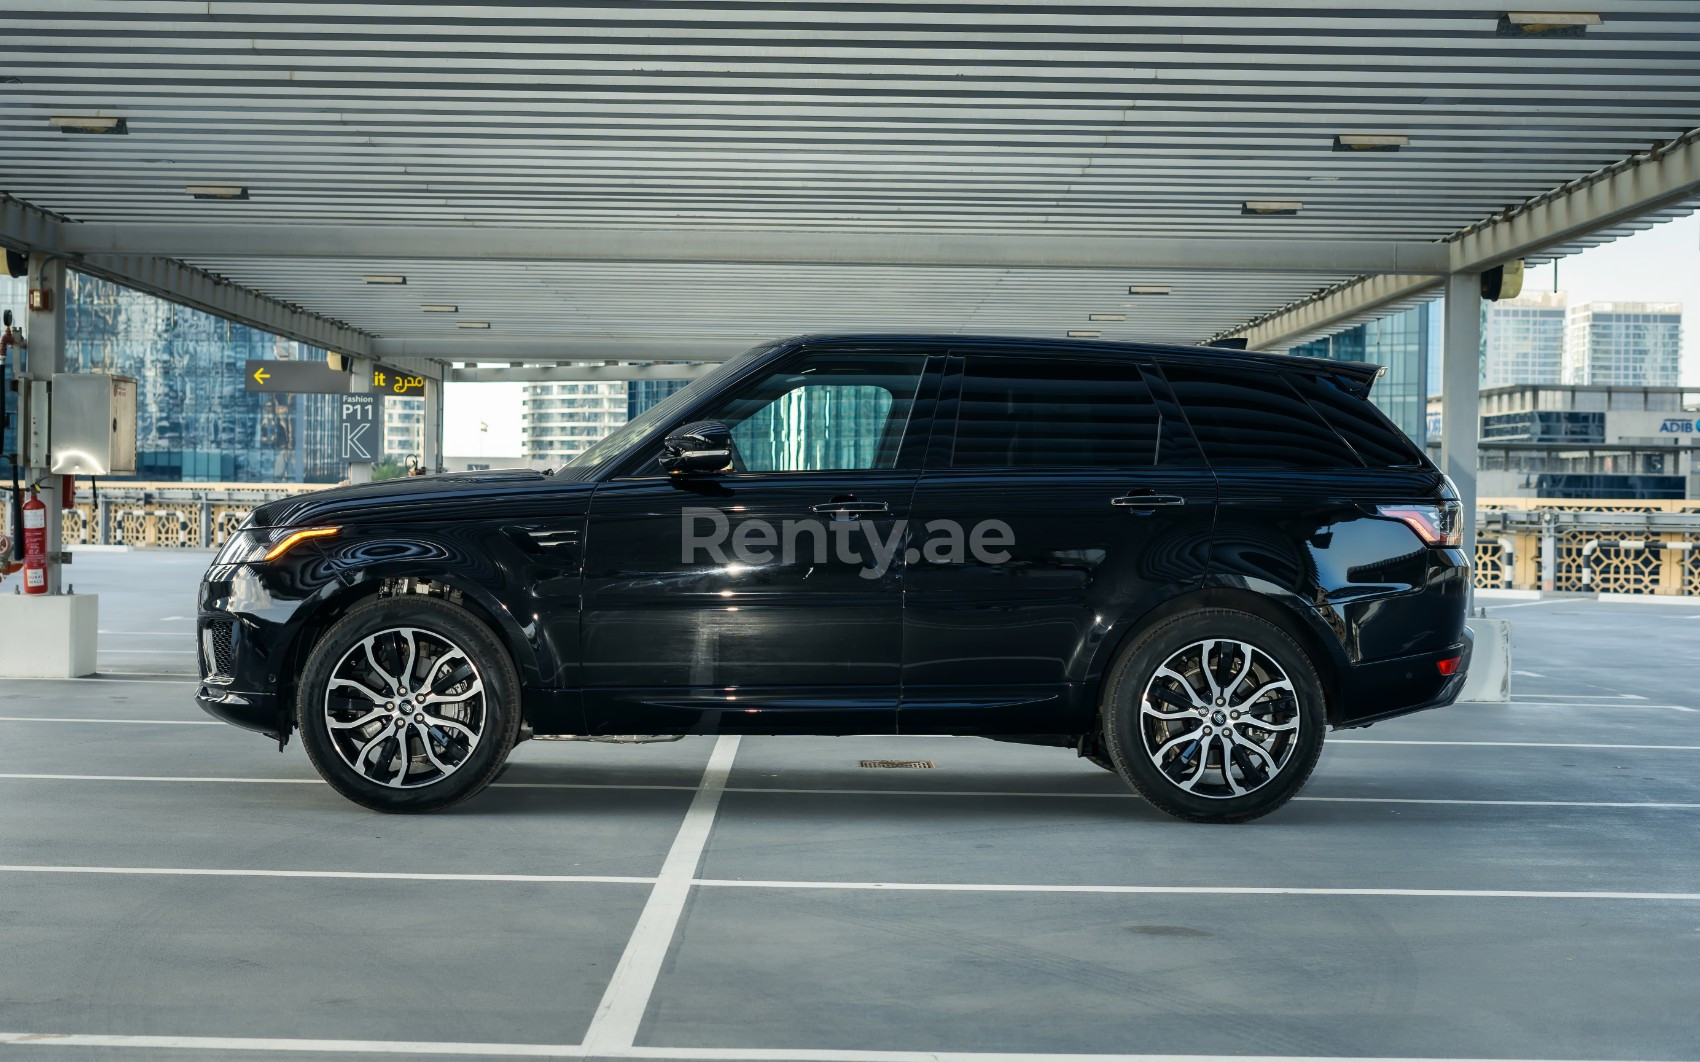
(1001, 119)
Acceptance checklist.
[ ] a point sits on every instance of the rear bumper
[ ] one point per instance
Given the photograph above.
(1389, 688)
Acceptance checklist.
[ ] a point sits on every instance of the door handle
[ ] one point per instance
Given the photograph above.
(1147, 501)
(850, 505)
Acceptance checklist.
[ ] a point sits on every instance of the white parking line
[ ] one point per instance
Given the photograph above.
(211, 872)
(621, 1009)
(79, 719)
(1509, 744)
(1620, 705)
(1197, 890)
(677, 1054)
(777, 790)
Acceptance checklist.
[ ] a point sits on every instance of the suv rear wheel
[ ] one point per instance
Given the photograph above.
(408, 704)
(1214, 716)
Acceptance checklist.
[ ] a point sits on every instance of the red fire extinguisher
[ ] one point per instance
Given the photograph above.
(35, 545)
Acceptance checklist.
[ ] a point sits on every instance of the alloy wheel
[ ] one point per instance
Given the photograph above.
(1219, 718)
(405, 707)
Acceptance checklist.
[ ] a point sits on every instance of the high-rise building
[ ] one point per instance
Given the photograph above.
(195, 421)
(1624, 344)
(559, 420)
(1523, 340)
(1404, 343)
(404, 428)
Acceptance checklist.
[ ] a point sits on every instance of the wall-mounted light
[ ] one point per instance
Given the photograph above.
(472, 324)
(384, 278)
(439, 308)
(1106, 317)
(1148, 289)
(217, 191)
(1081, 333)
(1271, 207)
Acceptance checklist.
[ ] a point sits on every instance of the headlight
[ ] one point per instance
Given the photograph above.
(256, 544)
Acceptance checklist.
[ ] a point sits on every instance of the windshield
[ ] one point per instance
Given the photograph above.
(616, 442)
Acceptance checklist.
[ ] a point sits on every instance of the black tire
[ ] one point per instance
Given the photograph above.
(1132, 734)
(493, 713)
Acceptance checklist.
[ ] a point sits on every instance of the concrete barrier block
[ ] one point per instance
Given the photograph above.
(51, 636)
(1489, 678)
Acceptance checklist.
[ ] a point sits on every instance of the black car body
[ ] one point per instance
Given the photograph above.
(1137, 484)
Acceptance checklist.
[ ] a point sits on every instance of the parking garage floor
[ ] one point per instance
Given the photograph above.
(1488, 881)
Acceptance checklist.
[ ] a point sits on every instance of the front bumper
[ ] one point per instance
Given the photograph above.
(259, 712)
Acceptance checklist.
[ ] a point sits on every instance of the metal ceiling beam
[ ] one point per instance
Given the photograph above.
(578, 348)
(1634, 188)
(578, 373)
(472, 241)
(23, 226)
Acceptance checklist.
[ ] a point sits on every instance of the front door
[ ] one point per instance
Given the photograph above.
(767, 599)
(1082, 501)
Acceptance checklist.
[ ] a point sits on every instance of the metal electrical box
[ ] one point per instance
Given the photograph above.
(92, 429)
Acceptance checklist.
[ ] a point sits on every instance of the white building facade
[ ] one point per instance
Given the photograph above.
(1624, 344)
(559, 420)
(1523, 340)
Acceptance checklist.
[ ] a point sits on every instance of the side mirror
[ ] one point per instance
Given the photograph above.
(701, 448)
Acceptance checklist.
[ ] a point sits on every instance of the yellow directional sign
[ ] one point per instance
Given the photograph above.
(396, 382)
(293, 377)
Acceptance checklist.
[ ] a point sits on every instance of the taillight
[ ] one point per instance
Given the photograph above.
(1436, 525)
(1449, 666)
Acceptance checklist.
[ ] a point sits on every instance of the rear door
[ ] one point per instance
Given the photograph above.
(1075, 498)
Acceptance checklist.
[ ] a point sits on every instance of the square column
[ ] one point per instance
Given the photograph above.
(431, 455)
(1460, 390)
(361, 382)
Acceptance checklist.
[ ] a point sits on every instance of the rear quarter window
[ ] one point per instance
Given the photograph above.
(1253, 418)
(1378, 441)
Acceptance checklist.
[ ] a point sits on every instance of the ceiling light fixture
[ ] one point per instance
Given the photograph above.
(1148, 289)
(384, 278)
(1546, 23)
(1271, 206)
(89, 124)
(1370, 142)
(217, 191)
(1106, 317)
(472, 324)
(1081, 333)
(431, 307)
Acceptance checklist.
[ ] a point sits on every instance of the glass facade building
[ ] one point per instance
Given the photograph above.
(1523, 340)
(194, 420)
(1407, 345)
(1625, 344)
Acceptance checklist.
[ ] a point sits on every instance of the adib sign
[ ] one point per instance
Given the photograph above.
(1679, 426)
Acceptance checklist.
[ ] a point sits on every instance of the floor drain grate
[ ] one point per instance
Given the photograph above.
(897, 763)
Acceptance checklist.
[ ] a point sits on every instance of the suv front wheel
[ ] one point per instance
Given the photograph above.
(408, 704)
(1214, 716)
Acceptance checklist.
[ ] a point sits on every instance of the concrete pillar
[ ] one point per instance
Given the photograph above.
(45, 332)
(360, 383)
(431, 457)
(1460, 389)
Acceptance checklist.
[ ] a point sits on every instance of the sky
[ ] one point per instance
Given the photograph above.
(1661, 264)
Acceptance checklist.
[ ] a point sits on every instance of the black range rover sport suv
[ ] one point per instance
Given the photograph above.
(1182, 563)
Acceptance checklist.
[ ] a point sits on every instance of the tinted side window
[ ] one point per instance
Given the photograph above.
(1249, 418)
(1376, 439)
(831, 412)
(1026, 412)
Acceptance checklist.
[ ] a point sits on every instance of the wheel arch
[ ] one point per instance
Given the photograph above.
(324, 610)
(1300, 622)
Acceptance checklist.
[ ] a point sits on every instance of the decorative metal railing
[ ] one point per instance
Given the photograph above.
(1632, 547)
